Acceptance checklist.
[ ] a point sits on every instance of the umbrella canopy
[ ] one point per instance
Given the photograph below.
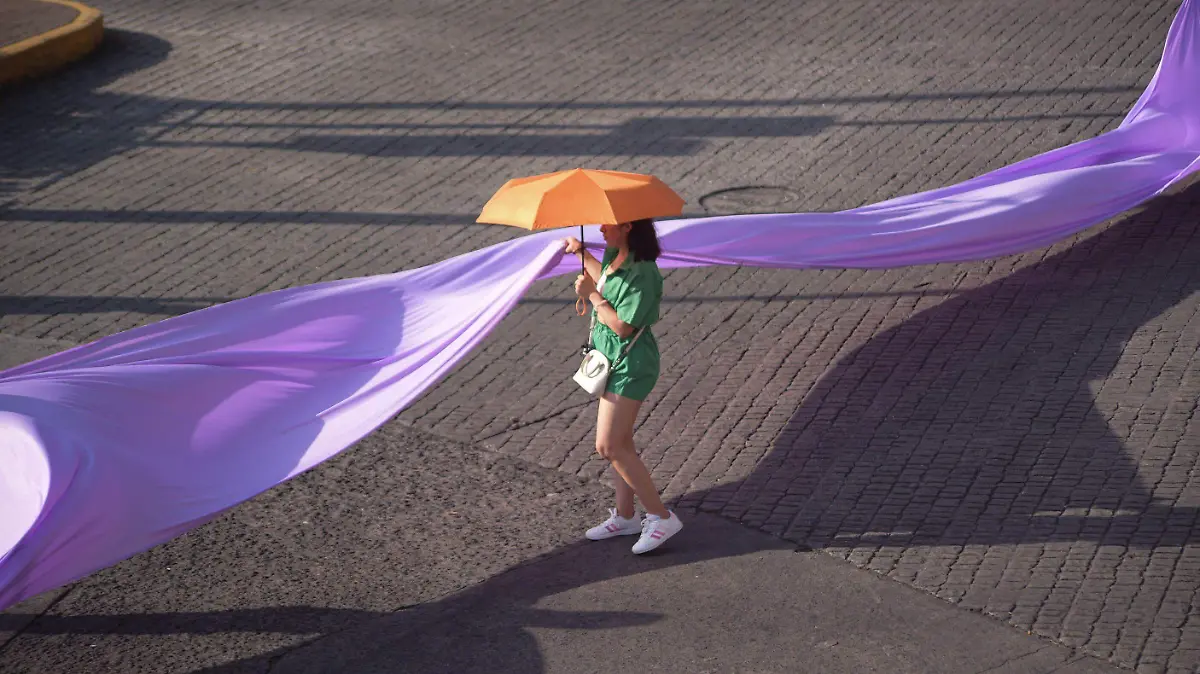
(580, 197)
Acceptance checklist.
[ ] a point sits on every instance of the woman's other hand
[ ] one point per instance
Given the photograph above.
(584, 286)
(572, 245)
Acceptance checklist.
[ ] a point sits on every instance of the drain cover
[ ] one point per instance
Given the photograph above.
(749, 199)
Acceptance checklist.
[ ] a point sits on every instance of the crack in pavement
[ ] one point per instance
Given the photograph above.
(524, 424)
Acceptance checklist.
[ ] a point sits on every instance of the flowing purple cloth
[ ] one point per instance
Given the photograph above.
(110, 448)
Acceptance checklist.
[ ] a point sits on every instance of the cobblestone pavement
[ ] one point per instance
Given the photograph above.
(1017, 436)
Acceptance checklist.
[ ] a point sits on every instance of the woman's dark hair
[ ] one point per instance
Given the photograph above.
(643, 241)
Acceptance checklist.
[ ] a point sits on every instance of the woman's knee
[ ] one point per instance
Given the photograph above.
(610, 449)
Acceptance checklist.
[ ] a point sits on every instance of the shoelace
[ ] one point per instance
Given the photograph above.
(613, 519)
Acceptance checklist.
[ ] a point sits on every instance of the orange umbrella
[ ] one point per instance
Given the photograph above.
(580, 197)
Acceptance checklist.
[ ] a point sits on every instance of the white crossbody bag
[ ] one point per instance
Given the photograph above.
(593, 372)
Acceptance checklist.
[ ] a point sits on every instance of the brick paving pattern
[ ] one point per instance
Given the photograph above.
(1017, 436)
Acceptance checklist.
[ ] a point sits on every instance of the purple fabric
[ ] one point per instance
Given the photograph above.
(110, 448)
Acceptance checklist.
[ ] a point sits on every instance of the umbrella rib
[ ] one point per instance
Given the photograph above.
(607, 202)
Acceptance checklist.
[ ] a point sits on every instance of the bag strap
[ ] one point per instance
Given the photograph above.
(591, 345)
(629, 346)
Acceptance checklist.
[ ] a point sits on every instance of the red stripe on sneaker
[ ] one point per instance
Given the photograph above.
(656, 535)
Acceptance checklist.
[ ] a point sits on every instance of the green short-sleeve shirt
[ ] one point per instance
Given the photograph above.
(635, 292)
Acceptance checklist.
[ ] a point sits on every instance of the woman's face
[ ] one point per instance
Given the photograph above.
(616, 236)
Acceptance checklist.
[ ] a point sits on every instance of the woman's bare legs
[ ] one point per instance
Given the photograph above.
(625, 504)
(614, 441)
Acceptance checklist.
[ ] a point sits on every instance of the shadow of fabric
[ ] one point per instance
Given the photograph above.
(989, 420)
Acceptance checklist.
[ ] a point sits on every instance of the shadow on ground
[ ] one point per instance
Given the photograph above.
(977, 421)
(57, 127)
(508, 647)
(730, 599)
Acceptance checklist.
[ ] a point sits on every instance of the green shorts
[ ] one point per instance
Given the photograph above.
(635, 291)
(632, 387)
(637, 373)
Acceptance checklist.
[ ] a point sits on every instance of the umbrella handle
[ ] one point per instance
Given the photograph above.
(580, 303)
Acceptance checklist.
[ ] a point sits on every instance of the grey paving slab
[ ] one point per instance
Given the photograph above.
(1016, 437)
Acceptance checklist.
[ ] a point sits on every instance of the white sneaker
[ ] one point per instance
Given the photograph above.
(656, 531)
(615, 525)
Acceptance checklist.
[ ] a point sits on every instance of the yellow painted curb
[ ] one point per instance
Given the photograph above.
(53, 49)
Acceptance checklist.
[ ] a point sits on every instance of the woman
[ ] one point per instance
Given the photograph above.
(625, 289)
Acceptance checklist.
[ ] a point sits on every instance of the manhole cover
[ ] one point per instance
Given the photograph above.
(750, 199)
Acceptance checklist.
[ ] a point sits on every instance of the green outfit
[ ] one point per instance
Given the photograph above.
(635, 292)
